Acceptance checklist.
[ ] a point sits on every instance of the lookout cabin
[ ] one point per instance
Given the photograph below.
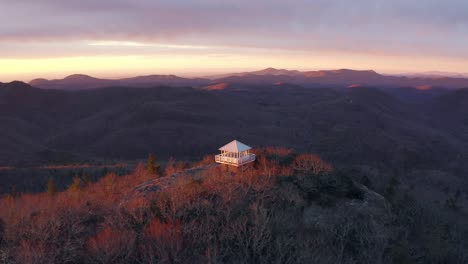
(235, 153)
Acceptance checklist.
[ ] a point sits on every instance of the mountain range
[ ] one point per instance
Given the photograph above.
(421, 136)
(47, 125)
(330, 78)
(84, 82)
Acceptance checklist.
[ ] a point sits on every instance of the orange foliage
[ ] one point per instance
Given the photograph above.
(311, 164)
(197, 191)
(173, 167)
(164, 232)
(109, 245)
(102, 194)
(163, 240)
(31, 252)
(208, 159)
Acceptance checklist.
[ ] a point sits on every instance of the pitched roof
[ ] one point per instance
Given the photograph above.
(235, 146)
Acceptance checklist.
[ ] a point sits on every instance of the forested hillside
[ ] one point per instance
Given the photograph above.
(286, 208)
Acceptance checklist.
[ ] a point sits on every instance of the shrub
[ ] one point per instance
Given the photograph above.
(2, 231)
(32, 252)
(51, 188)
(173, 167)
(207, 160)
(162, 241)
(308, 164)
(110, 182)
(111, 246)
(255, 215)
(76, 185)
(282, 156)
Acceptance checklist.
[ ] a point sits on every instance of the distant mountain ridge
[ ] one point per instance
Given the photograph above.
(85, 82)
(342, 78)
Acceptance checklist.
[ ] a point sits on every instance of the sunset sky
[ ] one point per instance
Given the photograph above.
(120, 38)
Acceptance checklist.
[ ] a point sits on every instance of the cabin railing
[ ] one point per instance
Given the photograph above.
(235, 161)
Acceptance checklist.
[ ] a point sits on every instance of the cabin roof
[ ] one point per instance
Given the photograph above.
(235, 146)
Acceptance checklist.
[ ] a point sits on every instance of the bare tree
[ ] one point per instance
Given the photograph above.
(307, 164)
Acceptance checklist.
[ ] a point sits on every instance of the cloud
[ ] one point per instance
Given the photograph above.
(144, 44)
(402, 27)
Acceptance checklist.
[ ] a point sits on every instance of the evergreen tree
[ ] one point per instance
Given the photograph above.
(13, 192)
(87, 179)
(76, 185)
(153, 166)
(51, 188)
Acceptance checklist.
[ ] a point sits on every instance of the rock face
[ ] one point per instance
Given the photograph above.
(159, 184)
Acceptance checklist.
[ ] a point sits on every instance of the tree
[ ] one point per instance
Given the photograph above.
(51, 188)
(163, 240)
(111, 246)
(87, 179)
(308, 164)
(13, 192)
(153, 166)
(110, 182)
(2, 231)
(76, 185)
(170, 167)
(173, 167)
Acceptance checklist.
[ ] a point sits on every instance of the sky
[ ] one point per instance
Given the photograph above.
(122, 38)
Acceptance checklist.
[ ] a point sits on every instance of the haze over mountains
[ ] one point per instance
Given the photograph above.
(330, 78)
